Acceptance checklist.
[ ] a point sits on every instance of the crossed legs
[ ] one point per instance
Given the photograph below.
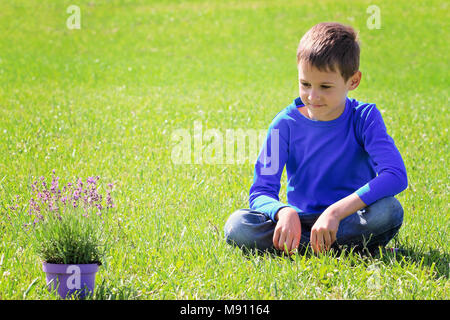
(371, 227)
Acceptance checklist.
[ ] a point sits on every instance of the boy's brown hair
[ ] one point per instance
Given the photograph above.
(330, 45)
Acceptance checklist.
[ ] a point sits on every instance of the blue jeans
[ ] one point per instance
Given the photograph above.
(370, 227)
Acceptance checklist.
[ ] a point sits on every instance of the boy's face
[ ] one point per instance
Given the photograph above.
(323, 92)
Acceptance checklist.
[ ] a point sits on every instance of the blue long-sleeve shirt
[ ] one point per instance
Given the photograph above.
(326, 160)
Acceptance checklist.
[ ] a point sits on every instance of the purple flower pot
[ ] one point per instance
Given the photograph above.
(70, 279)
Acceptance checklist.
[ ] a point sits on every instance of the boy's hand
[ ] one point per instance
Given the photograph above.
(324, 230)
(287, 231)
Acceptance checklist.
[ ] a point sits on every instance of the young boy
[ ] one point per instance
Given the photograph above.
(343, 169)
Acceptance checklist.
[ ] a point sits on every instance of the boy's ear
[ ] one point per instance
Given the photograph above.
(354, 81)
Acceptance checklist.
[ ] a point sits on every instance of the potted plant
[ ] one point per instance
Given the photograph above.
(67, 231)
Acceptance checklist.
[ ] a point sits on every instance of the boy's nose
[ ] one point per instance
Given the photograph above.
(313, 97)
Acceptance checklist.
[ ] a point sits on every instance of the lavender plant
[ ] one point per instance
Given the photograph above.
(67, 223)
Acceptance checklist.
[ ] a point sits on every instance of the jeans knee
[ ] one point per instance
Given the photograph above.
(247, 228)
(376, 223)
(235, 226)
(232, 224)
(388, 211)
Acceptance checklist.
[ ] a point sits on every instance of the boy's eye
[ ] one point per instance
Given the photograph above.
(307, 85)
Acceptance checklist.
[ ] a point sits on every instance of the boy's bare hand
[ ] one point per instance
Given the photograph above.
(323, 232)
(287, 231)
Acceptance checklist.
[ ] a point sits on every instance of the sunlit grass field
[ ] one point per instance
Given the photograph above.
(105, 100)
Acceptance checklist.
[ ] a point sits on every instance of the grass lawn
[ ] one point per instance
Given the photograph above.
(105, 100)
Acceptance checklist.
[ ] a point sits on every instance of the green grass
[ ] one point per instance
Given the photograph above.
(105, 99)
